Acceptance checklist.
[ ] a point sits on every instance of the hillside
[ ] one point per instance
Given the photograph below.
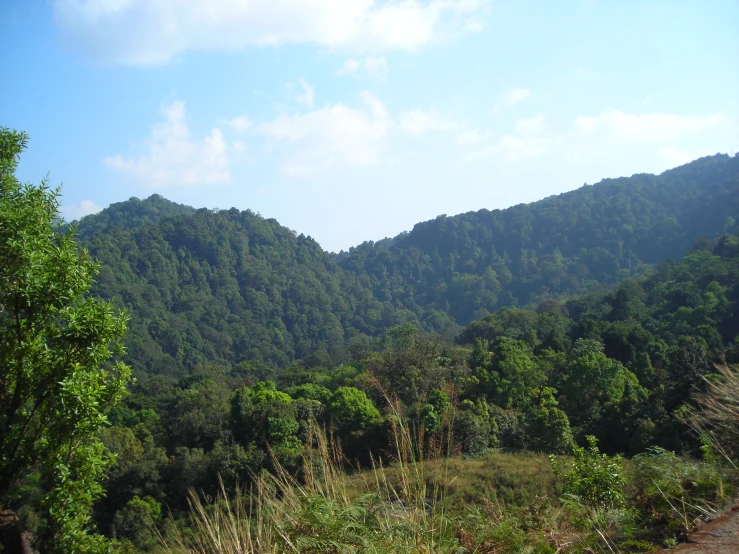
(473, 263)
(619, 365)
(131, 214)
(231, 287)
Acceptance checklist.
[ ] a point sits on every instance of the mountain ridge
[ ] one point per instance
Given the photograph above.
(234, 287)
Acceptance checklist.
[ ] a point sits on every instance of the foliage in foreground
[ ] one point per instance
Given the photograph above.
(57, 379)
(408, 507)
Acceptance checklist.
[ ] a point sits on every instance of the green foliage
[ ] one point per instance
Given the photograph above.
(351, 410)
(594, 479)
(131, 214)
(678, 492)
(232, 287)
(57, 351)
(137, 521)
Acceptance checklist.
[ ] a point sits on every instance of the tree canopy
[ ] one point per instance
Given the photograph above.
(58, 353)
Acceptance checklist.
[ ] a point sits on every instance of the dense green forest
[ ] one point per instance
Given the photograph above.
(439, 368)
(234, 288)
(617, 365)
(130, 214)
(471, 264)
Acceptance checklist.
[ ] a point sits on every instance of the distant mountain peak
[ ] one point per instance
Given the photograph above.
(131, 214)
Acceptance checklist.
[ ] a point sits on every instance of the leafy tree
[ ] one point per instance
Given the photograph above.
(56, 343)
(136, 521)
(263, 416)
(351, 410)
(550, 427)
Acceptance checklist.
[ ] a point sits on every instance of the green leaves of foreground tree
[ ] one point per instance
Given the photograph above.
(56, 378)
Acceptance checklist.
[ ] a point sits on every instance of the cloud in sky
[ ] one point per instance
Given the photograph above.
(371, 67)
(335, 135)
(154, 31)
(417, 122)
(74, 212)
(654, 127)
(605, 135)
(510, 98)
(473, 136)
(173, 157)
(241, 123)
(308, 96)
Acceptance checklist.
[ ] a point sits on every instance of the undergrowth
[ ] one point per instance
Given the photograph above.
(426, 501)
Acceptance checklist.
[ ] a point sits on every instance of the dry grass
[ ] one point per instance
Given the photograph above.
(716, 417)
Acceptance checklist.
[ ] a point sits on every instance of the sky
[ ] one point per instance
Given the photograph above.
(352, 120)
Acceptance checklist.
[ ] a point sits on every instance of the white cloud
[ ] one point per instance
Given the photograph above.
(349, 66)
(530, 126)
(154, 31)
(376, 67)
(173, 158)
(307, 97)
(241, 123)
(473, 136)
(416, 122)
(610, 134)
(516, 96)
(510, 98)
(654, 127)
(371, 67)
(334, 135)
(73, 212)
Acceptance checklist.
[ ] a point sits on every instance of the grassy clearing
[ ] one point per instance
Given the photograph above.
(497, 503)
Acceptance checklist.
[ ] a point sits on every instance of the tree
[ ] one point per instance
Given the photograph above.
(57, 380)
(351, 410)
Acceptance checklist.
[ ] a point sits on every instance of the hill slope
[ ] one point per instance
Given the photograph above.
(228, 287)
(233, 287)
(473, 263)
(131, 214)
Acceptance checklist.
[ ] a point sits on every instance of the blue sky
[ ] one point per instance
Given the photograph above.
(351, 120)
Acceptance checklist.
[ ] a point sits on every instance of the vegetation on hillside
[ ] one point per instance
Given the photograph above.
(232, 287)
(617, 366)
(334, 403)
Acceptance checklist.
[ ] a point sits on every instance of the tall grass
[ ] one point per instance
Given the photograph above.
(324, 511)
(401, 504)
(715, 418)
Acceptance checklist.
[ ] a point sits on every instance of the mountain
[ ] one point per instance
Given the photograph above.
(474, 263)
(232, 287)
(235, 288)
(131, 214)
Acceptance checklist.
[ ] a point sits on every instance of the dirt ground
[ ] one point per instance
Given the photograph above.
(719, 536)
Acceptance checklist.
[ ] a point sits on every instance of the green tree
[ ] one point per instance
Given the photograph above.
(351, 410)
(136, 521)
(56, 343)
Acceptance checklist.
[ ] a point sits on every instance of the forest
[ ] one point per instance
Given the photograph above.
(552, 377)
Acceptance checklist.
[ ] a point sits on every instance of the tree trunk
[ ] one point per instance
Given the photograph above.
(12, 535)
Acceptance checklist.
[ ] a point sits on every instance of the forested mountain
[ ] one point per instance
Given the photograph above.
(653, 338)
(473, 263)
(131, 214)
(234, 288)
(618, 364)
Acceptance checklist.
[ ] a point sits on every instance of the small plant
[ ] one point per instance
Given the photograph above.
(596, 480)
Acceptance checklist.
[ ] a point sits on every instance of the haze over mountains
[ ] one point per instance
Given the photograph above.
(233, 287)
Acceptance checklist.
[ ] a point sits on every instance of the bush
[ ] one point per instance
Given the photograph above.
(595, 479)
